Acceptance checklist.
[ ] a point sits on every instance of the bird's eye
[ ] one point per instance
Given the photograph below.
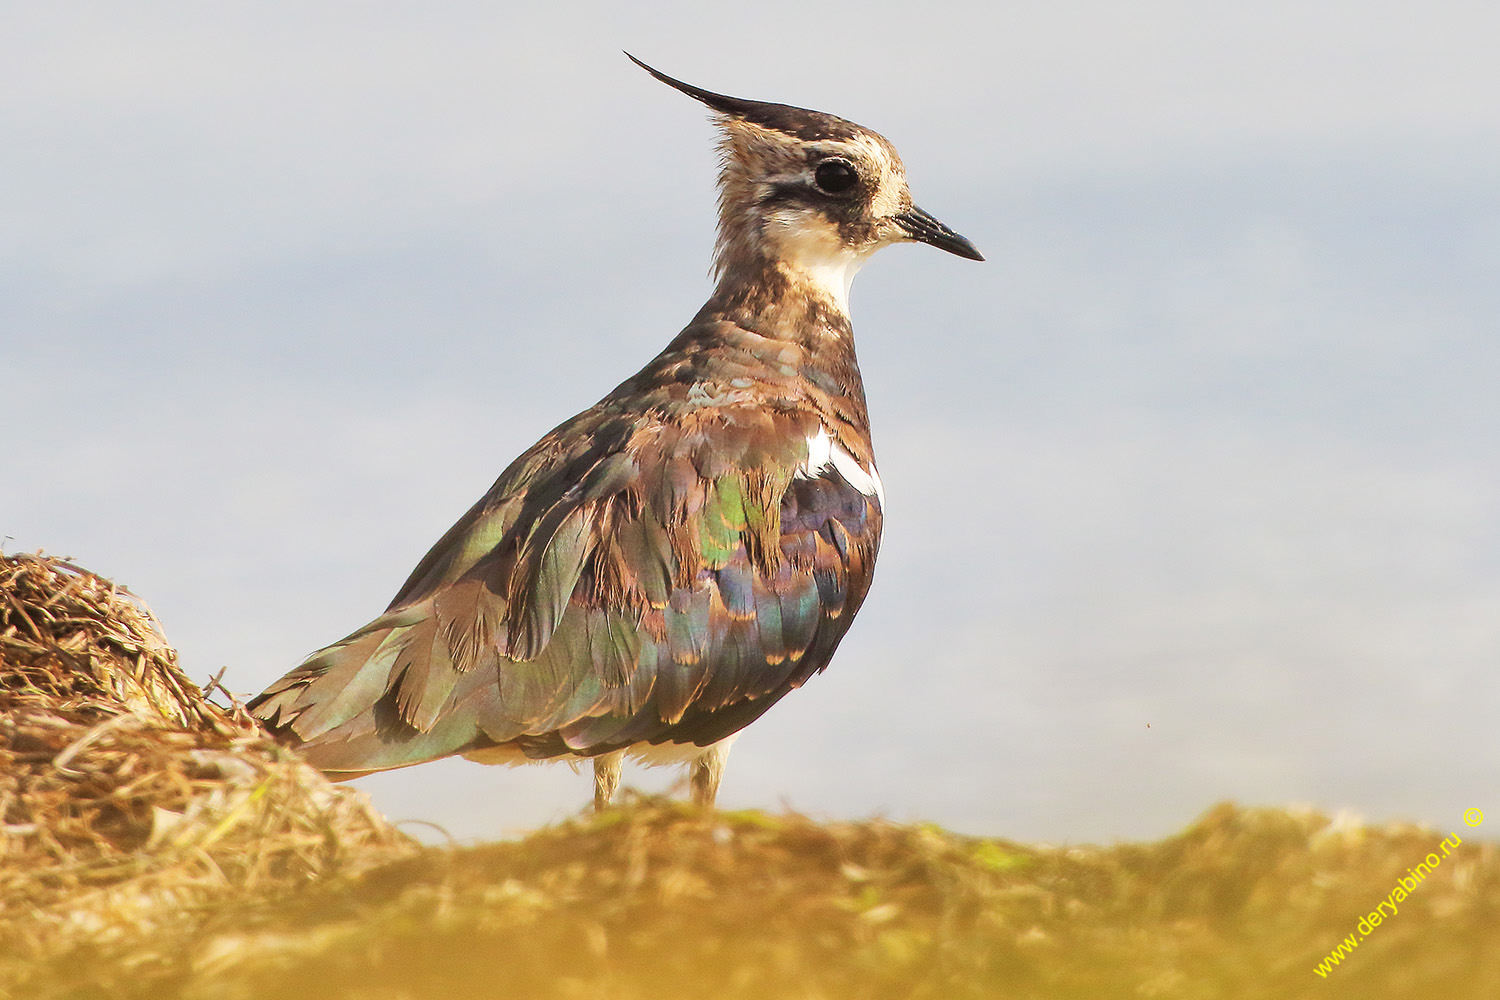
(835, 176)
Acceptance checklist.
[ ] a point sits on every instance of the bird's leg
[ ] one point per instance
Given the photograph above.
(606, 778)
(708, 770)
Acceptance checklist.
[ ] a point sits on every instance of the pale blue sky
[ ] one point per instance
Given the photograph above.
(1209, 443)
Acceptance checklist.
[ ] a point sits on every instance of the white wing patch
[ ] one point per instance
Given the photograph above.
(819, 453)
(823, 451)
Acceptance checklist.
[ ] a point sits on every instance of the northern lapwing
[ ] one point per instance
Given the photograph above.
(656, 572)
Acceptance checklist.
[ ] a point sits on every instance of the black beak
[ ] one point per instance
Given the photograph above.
(925, 229)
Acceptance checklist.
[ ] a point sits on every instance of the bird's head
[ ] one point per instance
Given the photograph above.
(810, 193)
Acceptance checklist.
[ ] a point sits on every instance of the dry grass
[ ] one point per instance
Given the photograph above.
(128, 800)
(156, 846)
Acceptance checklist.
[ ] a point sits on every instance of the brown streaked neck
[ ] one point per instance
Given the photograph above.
(767, 297)
(807, 305)
(777, 302)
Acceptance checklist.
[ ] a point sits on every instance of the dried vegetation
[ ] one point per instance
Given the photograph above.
(129, 801)
(155, 845)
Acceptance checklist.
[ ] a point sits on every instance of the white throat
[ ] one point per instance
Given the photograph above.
(833, 276)
(813, 253)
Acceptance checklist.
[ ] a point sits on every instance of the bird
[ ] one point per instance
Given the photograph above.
(660, 569)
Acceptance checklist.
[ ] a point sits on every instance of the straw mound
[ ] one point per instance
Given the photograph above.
(127, 798)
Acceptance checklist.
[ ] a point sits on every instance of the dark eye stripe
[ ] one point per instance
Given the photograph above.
(785, 193)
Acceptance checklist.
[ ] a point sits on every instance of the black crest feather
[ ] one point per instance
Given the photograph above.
(799, 122)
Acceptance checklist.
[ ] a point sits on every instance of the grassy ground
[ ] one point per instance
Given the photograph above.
(655, 900)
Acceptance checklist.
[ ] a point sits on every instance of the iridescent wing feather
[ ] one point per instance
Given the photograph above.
(623, 582)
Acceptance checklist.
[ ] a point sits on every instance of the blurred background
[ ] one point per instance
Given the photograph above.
(1192, 487)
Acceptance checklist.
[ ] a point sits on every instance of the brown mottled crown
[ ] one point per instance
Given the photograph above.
(799, 123)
